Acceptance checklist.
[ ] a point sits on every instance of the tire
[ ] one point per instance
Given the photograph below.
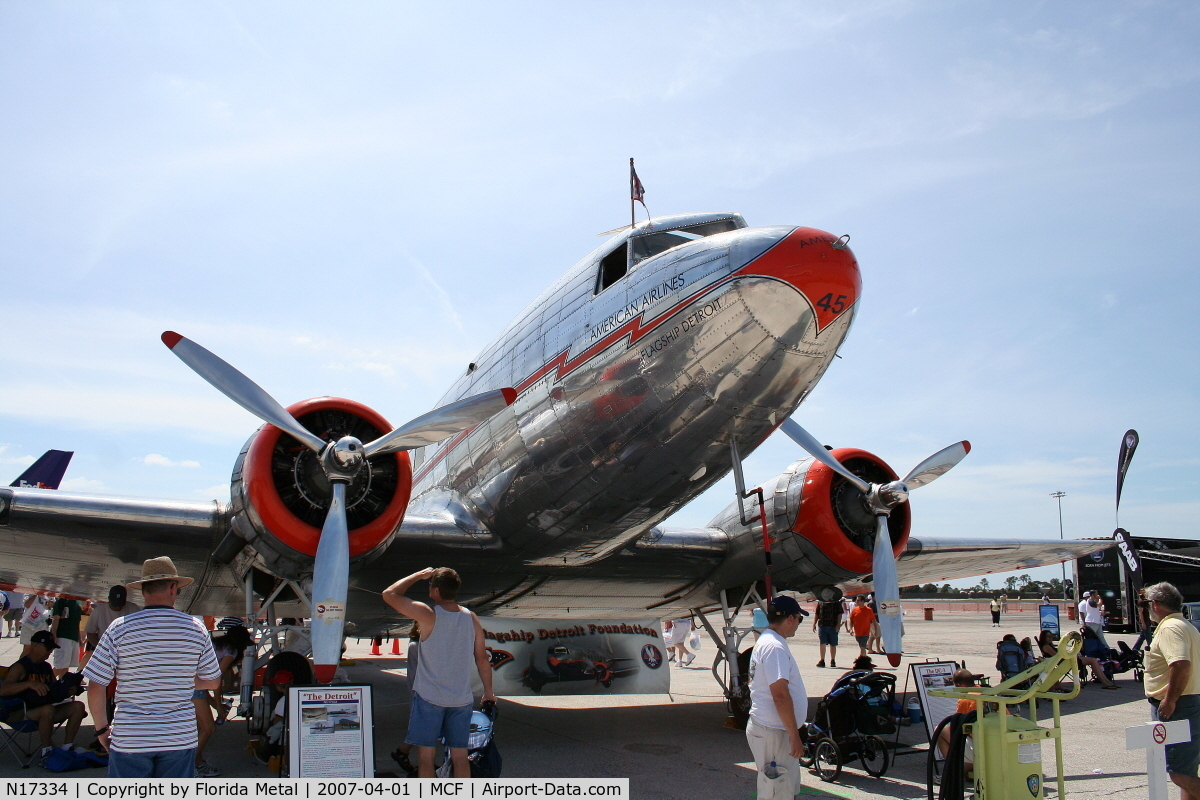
(827, 760)
(874, 755)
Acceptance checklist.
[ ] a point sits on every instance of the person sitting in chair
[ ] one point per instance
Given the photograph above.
(31, 680)
(1048, 648)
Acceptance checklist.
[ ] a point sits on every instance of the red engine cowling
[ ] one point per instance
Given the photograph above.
(834, 518)
(281, 494)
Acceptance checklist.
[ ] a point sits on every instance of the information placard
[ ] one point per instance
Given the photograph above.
(1048, 619)
(331, 732)
(934, 675)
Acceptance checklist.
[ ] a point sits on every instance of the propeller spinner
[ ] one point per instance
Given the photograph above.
(881, 499)
(340, 460)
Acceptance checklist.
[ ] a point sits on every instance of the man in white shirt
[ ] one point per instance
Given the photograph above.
(1091, 614)
(778, 704)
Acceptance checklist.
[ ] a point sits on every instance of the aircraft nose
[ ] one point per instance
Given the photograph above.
(813, 262)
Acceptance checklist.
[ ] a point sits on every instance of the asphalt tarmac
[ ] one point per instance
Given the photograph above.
(675, 747)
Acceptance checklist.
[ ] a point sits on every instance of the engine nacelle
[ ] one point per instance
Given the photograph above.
(280, 493)
(822, 529)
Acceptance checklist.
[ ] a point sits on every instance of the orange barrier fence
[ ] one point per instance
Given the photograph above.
(914, 606)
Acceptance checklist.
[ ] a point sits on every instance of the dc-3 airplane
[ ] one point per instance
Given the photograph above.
(636, 381)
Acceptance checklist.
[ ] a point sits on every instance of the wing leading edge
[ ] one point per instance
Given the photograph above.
(931, 559)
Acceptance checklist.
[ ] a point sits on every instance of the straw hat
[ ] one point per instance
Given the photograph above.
(160, 569)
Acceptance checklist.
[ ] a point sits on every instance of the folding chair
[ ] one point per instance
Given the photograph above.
(20, 736)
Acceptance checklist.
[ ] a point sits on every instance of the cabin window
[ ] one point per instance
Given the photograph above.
(613, 267)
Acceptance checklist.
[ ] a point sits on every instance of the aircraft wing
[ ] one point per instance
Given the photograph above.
(930, 559)
(79, 545)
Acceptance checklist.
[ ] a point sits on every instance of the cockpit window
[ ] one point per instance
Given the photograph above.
(647, 245)
(651, 244)
(613, 267)
(711, 228)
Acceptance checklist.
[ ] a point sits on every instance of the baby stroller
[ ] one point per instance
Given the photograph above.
(848, 722)
(481, 746)
(1130, 659)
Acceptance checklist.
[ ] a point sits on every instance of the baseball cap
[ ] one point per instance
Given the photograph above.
(117, 595)
(785, 606)
(46, 639)
(283, 676)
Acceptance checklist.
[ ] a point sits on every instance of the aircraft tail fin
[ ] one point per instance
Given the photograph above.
(47, 472)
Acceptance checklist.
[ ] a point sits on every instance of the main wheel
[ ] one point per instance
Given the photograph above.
(827, 760)
(874, 755)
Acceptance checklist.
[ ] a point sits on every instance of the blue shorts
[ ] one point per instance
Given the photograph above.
(827, 635)
(199, 694)
(427, 723)
(862, 640)
(1184, 758)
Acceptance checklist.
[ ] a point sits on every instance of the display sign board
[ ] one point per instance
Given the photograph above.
(935, 675)
(331, 733)
(576, 656)
(1048, 619)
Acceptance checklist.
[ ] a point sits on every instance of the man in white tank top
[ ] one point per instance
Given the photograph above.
(451, 638)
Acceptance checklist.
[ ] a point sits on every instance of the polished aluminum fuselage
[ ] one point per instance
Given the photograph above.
(628, 398)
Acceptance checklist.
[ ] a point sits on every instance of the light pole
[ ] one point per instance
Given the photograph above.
(1059, 496)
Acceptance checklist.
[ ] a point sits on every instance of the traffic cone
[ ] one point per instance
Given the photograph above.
(375, 651)
(395, 645)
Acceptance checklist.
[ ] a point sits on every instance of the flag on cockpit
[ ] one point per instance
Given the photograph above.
(636, 190)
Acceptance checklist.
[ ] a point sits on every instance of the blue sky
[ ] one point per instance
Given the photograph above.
(352, 199)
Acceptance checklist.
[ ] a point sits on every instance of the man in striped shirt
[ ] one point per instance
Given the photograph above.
(159, 657)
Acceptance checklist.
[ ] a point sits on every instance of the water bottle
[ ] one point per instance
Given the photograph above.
(771, 771)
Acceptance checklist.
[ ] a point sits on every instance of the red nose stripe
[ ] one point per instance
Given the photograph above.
(827, 275)
(510, 395)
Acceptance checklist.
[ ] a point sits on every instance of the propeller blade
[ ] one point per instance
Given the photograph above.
(238, 388)
(441, 423)
(331, 578)
(887, 592)
(818, 451)
(936, 465)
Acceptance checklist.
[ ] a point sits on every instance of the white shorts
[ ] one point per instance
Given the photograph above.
(27, 632)
(66, 656)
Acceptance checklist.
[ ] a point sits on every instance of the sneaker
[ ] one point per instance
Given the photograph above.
(820, 663)
(833, 665)
(690, 658)
(401, 758)
(207, 770)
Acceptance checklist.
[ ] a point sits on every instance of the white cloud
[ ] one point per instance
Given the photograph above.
(218, 491)
(155, 460)
(23, 461)
(81, 485)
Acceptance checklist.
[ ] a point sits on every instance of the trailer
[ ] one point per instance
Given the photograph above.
(1176, 561)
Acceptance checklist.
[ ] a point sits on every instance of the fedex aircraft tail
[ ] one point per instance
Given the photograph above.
(47, 472)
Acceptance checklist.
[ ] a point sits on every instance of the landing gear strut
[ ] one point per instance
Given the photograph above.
(731, 675)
